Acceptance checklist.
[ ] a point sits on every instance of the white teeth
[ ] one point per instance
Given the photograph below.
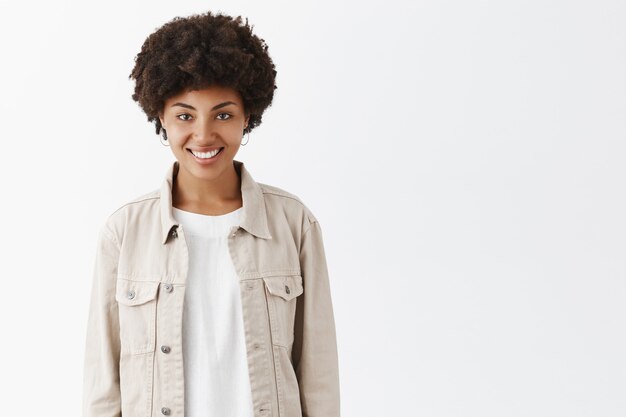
(205, 155)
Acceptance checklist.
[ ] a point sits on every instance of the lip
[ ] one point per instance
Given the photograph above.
(205, 148)
(206, 161)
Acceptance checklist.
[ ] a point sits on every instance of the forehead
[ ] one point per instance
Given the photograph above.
(207, 96)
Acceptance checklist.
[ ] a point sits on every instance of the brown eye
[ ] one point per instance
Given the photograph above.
(224, 114)
(184, 114)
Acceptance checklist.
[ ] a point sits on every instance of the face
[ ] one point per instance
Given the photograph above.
(202, 122)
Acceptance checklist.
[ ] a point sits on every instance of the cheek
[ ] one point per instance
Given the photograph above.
(177, 130)
(232, 133)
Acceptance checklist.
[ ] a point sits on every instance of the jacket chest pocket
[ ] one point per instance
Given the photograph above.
(137, 315)
(281, 293)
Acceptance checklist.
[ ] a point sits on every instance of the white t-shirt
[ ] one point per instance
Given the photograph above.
(217, 382)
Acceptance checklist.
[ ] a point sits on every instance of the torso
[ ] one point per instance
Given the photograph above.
(227, 207)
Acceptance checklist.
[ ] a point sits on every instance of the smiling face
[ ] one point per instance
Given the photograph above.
(203, 122)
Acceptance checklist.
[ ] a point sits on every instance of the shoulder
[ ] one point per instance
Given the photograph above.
(279, 197)
(143, 207)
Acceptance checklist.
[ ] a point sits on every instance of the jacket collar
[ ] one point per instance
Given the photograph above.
(253, 217)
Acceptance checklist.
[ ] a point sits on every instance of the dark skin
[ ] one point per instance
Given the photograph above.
(223, 204)
(203, 121)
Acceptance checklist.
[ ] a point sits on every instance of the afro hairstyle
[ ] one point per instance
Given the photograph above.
(194, 52)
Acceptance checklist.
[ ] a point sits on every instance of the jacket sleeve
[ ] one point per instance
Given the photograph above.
(101, 393)
(314, 352)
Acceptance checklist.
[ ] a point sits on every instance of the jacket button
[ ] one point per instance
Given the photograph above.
(130, 294)
(165, 349)
(165, 411)
(287, 289)
(168, 287)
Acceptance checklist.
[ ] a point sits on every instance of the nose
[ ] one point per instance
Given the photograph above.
(204, 130)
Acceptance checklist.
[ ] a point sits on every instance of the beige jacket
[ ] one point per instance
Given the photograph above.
(133, 364)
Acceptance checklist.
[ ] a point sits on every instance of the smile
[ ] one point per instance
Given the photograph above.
(206, 155)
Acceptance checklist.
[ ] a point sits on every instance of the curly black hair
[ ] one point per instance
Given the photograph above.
(194, 52)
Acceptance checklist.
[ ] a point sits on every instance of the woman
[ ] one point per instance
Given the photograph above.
(210, 295)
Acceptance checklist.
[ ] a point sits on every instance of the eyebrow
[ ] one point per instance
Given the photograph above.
(219, 106)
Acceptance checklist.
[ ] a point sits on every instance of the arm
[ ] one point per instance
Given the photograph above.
(101, 393)
(314, 350)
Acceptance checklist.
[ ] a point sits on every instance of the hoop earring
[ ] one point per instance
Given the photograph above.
(163, 138)
(244, 144)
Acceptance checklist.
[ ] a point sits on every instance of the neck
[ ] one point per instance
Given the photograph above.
(215, 196)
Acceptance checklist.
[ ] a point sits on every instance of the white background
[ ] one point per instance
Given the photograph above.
(465, 160)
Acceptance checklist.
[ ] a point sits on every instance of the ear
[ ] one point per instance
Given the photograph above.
(247, 121)
(160, 114)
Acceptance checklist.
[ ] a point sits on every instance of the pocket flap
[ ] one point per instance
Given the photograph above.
(287, 287)
(132, 293)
